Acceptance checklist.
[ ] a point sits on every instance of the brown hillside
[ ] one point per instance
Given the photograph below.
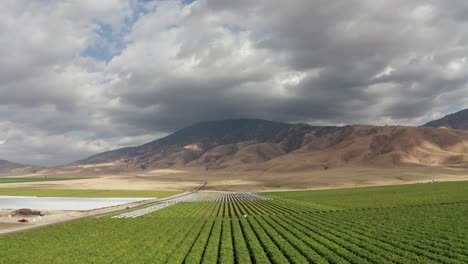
(11, 168)
(259, 145)
(377, 146)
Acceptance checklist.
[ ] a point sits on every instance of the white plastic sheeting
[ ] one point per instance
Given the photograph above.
(62, 203)
(196, 197)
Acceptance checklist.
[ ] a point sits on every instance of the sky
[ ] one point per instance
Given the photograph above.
(78, 77)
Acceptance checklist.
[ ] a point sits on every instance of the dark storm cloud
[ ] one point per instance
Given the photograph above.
(322, 62)
(359, 61)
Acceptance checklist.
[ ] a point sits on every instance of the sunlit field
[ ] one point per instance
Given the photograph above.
(421, 223)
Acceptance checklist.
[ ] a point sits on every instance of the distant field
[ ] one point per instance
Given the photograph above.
(84, 193)
(15, 180)
(378, 197)
(421, 223)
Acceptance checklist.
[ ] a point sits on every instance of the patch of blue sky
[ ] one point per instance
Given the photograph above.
(109, 44)
(233, 28)
(112, 43)
(80, 134)
(453, 108)
(170, 26)
(187, 2)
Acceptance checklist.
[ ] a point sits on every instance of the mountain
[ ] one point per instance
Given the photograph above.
(252, 144)
(458, 120)
(8, 167)
(389, 146)
(210, 143)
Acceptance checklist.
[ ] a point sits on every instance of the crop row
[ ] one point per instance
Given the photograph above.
(233, 230)
(321, 238)
(195, 197)
(219, 197)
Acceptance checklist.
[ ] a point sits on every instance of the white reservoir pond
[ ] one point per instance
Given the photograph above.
(62, 203)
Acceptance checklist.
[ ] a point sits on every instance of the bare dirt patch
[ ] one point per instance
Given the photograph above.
(243, 181)
(4, 226)
(252, 181)
(119, 182)
(26, 212)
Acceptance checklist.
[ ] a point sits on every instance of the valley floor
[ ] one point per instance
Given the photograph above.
(418, 223)
(144, 184)
(252, 181)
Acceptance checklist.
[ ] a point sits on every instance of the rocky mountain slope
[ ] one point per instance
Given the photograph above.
(251, 144)
(208, 143)
(458, 120)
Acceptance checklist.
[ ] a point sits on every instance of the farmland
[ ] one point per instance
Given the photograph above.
(23, 179)
(422, 223)
(84, 193)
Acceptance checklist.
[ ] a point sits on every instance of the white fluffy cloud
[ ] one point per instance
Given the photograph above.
(80, 77)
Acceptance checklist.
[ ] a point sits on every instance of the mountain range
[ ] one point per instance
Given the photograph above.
(261, 145)
(252, 144)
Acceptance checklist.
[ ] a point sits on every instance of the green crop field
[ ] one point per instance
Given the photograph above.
(18, 179)
(422, 223)
(84, 193)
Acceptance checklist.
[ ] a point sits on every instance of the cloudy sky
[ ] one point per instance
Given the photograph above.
(78, 77)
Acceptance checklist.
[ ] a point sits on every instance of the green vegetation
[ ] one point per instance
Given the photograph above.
(18, 179)
(84, 193)
(423, 223)
(377, 197)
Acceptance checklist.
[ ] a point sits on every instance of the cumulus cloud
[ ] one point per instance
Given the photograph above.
(80, 77)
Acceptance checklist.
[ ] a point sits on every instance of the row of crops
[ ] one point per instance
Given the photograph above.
(276, 232)
(219, 196)
(291, 228)
(195, 197)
